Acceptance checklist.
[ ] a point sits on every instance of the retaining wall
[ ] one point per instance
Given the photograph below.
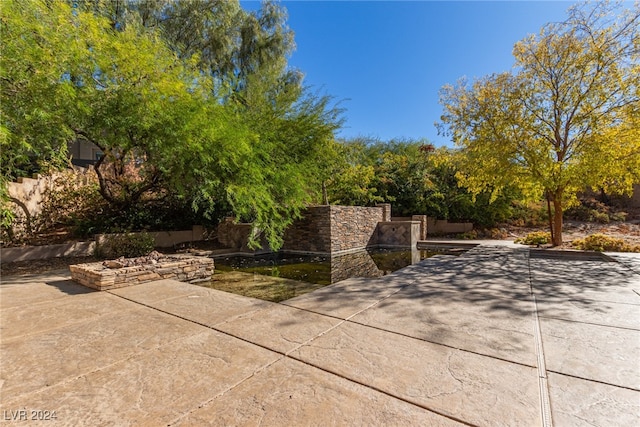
(163, 239)
(30, 253)
(167, 239)
(442, 226)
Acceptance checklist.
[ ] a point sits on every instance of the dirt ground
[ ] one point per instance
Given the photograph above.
(573, 230)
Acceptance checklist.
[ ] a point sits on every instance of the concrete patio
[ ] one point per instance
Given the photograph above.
(498, 336)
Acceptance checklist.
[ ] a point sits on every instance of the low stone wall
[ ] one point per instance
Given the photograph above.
(96, 275)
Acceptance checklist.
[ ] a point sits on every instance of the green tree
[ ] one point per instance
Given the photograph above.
(404, 176)
(561, 121)
(171, 118)
(351, 179)
(32, 90)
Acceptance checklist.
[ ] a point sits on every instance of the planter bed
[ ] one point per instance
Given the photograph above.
(110, 275)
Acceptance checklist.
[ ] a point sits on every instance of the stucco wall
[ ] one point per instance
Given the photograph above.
(26, 197)
(442, 226)
(28, 194)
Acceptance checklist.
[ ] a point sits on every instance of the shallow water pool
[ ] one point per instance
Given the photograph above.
(280, 276)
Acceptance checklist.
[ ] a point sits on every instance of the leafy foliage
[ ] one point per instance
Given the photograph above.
(564, 120)
(415, 178)
(535, 238)
(128, 245)
(212, 116)
(603, 243)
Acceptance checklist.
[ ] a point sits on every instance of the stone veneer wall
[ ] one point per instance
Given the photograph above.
(184, 268)
(334, 229)
(354, 227)
(311, 233)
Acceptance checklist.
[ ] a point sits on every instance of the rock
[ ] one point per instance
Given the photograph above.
(113, 264)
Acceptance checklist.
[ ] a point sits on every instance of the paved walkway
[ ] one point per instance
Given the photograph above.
(494, 337)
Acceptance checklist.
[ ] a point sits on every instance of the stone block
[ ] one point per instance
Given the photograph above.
(98, 276)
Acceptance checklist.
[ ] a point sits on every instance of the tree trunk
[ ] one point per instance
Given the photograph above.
(549, 214)
(325, 198)
(557, 219)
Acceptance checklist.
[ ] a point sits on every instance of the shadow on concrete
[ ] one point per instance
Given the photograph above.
(499, 279)
(70, 287)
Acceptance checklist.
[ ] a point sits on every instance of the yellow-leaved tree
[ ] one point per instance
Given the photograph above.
(565, 119)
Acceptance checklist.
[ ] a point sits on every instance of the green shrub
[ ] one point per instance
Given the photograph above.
(602, 243)
(128, 245)
(618, 216)
(535, 238)
(592, 210)
(469, 235)
(600, 217)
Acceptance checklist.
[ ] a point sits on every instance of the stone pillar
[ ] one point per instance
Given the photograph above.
(386, 211)
(423, 225)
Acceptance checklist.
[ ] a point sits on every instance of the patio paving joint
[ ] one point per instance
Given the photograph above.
(380, 390)
(593, 381)
(589, 323)
(223, 392)
(288, 355)
(477, 353)
(545, 402)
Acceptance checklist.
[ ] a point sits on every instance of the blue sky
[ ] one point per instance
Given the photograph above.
(385, 61)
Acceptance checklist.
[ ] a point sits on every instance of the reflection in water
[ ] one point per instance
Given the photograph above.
(325, 270)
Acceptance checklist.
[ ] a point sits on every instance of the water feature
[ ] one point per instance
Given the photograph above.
(280, 276)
